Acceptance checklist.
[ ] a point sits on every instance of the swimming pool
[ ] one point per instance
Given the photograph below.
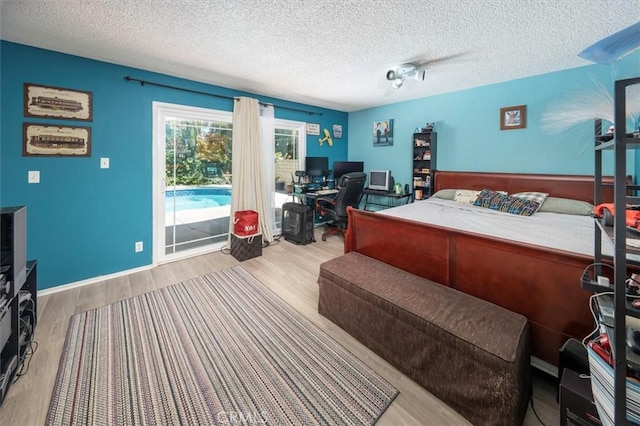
(197, 198)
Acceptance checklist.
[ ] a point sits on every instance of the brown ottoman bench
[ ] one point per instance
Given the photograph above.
(471, 354)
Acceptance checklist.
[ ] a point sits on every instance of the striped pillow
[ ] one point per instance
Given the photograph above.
(519, 206)
(538, 197)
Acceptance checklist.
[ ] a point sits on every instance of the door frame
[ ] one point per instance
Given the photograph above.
(300, 126)
(158, 152)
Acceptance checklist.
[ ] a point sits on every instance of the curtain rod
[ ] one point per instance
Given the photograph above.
(166, 86)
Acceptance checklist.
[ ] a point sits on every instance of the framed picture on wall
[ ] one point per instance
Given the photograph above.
(337, 131)
(313, 129)
(57, 102)
(61, 141)
(383, 133)
(514, 117)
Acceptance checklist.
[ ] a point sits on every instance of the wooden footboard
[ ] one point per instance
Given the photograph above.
(540, 283)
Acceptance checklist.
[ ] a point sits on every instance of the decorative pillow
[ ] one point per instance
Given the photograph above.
(519, 206)
(506, 203)
(566, 206)
(445, 194)
(538, 197)
(466, 196)
(489, 199)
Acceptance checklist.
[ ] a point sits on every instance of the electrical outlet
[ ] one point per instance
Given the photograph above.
(104, 163)
(139, 246)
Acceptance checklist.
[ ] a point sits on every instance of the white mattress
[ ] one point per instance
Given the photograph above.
(559, 231)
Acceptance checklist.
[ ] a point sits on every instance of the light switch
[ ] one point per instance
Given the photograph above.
(104, 163)
(34, 176)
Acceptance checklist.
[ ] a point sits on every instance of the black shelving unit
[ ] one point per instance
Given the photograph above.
(424, 163)
(620, 141)
(18, 311)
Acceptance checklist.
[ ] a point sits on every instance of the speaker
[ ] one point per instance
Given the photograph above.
(576, 401)
(13, 247)
(297, 223)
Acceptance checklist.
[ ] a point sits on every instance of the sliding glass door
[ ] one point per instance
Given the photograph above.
(193, 180)
(193, 177)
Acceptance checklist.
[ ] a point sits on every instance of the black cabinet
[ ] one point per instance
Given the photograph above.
(18, 291)
(424, 163)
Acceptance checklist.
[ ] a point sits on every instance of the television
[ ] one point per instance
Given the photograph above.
(316, 166)
(343, 167)
(380, 180)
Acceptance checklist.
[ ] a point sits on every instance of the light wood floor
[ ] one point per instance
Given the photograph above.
(289, 270)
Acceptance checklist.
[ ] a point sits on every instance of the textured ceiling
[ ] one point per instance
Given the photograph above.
(330, 53)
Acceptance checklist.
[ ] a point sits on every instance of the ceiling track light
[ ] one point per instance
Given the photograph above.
(402, 72)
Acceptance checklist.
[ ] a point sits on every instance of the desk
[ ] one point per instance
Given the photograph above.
(383, 199)
(309, 199)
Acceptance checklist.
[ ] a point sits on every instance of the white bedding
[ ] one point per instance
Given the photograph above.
(560, 231)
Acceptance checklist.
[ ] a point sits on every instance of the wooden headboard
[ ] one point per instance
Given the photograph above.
(577, 187)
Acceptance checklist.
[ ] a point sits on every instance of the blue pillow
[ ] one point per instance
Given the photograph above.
(489, 199)
(505, 203)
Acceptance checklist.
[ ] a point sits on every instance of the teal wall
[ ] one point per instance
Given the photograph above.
(82, 220)
(469, 135)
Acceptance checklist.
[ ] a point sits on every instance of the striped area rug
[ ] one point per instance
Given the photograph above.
(219, 349)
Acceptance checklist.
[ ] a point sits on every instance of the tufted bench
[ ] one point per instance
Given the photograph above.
(471, 354)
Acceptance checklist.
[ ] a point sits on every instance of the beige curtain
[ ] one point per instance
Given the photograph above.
(249, 188)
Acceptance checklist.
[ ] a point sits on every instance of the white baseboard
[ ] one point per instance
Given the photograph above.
(182, 255)
(90, 281)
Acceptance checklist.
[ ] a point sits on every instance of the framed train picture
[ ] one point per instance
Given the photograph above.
(57, 102)
(62, 141)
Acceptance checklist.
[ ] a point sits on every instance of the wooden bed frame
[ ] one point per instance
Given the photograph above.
(543, 284)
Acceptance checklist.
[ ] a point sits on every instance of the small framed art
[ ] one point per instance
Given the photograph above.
(61, 141)
(337, 131)
(313, 129)
(56, 102)
(514, 117)
(383, 133)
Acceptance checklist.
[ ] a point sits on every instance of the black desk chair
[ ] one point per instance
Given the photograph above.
(335, 209)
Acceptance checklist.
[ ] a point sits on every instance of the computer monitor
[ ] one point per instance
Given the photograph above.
(317, 166)
(343, 167)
